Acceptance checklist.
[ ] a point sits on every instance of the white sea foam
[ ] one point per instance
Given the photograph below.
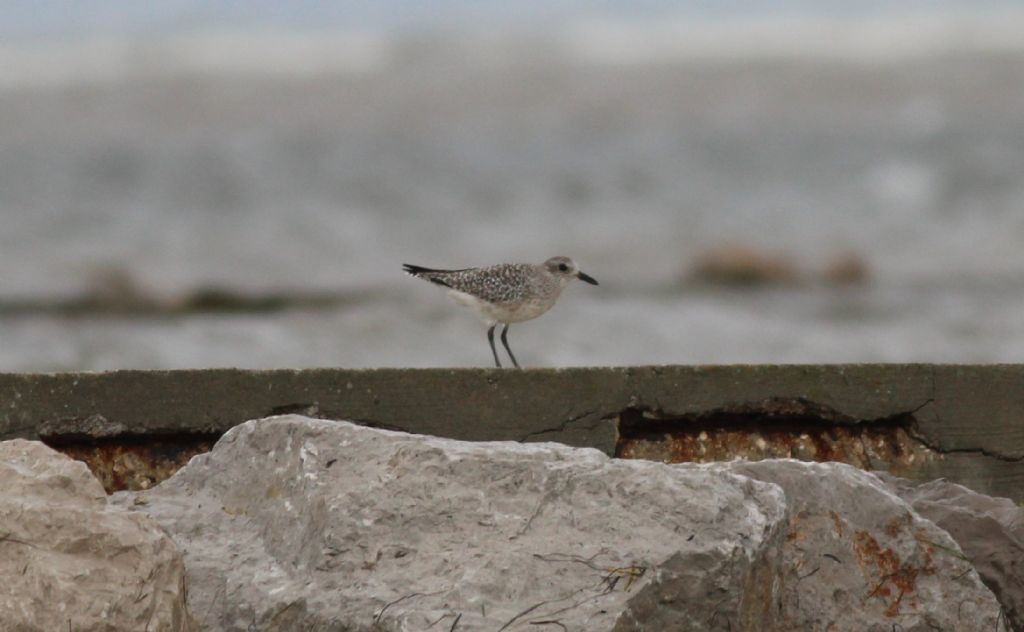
(859, 38)
(102, 59)
(878, 37)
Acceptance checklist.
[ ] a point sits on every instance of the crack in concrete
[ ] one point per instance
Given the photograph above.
(655, 421)
(975, 451)
(770, 408)
(916, 434)
(562, 427)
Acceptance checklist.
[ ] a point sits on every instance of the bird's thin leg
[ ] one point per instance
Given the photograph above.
(490, 339)
(504, 341)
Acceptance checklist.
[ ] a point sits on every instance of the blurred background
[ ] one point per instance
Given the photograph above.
(225, 183)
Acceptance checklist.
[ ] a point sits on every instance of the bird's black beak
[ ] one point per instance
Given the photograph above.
(586, 277)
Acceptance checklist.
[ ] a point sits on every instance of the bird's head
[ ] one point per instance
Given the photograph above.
(565, 270)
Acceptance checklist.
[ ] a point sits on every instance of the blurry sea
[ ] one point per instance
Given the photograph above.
(225, 195)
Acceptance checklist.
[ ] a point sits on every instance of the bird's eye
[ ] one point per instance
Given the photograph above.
(563, 267)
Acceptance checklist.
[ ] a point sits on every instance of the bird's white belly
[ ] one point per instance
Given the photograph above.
(502, 313)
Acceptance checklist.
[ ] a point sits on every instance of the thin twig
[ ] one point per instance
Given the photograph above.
(455, 623)
(562, 557)
(550, 622)
(380, 614)
(521, 615)
(439, 619)
(631, 573)
(7, 538)
(578, 603)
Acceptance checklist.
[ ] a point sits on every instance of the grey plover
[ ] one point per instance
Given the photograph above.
(506, 293)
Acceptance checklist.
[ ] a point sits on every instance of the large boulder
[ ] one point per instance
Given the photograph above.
(990, 531)
(71, 561)
(858, 557)
(294, 523)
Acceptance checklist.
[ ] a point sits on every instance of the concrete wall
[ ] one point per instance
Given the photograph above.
(964, 423)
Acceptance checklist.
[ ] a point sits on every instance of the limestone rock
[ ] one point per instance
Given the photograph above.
(858, 557)
(294, 523)
(70, 561)
(990, 531)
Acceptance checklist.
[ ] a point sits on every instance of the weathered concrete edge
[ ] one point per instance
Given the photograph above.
(959, 408)
(971, 416)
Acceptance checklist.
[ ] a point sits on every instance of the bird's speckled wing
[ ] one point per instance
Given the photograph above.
(503, 283)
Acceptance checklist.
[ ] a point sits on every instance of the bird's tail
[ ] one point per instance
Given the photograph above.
(430, 274)
(408, 268)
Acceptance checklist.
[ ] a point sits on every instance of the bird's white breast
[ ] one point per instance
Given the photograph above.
(502, 313)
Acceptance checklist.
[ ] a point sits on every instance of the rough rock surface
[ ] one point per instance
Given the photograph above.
(989, 530)
(858, 557)
(70, 561)
(293, 523)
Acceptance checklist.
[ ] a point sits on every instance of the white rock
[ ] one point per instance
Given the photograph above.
(390, 531)
(295, 523)
(858, 557)
(70, 561)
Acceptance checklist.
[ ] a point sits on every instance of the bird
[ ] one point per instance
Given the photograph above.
(506, 293)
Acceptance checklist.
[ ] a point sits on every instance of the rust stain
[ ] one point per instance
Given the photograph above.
(928, 567)
(134, 463)
(895, 580)
(795, 533)
(774, 429)
(837, 521)
(894, 526)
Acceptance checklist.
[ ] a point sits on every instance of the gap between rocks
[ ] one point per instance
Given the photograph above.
(134, 462)
(776, 428)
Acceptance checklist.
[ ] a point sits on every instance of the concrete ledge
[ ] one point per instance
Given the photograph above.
(961, 422)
